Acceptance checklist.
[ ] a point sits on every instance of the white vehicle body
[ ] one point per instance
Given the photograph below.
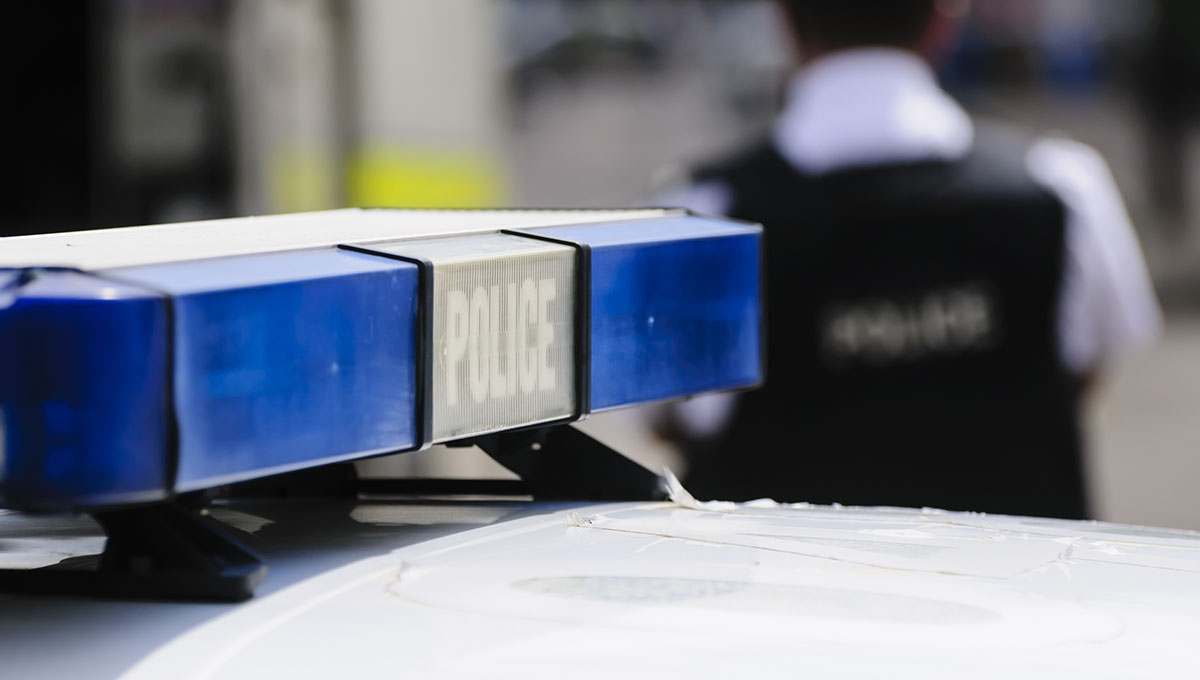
(660, 589)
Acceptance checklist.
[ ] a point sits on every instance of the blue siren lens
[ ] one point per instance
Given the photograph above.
(128, 384)
(289, 360)
(676, 307)
(84, 383)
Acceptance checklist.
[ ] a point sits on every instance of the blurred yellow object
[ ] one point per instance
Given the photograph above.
(422, 178)
(302, 180)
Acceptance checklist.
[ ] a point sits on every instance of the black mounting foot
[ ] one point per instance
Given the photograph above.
(563, 463)
(153, 552)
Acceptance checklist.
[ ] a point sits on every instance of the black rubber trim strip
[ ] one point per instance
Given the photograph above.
(583, 318)
(423, 339)
(763, 321)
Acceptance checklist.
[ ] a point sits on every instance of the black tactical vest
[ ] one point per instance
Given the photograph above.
(913, 357)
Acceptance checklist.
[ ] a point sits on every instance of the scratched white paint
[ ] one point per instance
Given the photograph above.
(659, 590)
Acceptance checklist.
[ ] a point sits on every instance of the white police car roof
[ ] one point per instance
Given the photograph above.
(668, 589)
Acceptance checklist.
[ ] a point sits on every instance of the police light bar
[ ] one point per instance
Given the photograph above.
(142, 362)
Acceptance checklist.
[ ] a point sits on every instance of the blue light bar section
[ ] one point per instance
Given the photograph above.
(288, 360)
(676, 307)
(83, 391)
(129, 385)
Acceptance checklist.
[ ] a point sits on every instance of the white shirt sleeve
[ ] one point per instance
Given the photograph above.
(1107, 307)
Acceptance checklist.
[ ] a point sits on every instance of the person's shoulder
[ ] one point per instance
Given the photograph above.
(999, 151)
(749, 160)
(710, 186)
(1006, 154)
(1069, 166)
(1080, 177)
(1051, 158)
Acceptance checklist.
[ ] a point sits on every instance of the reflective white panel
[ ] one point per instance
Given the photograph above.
(503, 331)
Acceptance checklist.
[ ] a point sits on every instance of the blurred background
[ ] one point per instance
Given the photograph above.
(125, 112)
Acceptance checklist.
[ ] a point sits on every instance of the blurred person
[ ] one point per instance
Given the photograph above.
(941, 291)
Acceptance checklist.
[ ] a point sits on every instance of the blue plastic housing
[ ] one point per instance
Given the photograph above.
(83, 391)
(676, 307)
(288, 360)
(131, 384)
